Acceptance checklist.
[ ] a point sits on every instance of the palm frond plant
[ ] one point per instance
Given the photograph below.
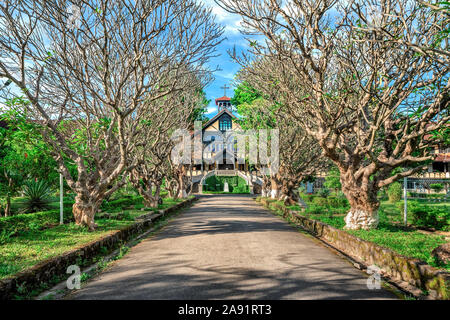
(37, 196)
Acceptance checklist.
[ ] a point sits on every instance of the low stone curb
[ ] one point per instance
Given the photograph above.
(46, 270)
(409, 271)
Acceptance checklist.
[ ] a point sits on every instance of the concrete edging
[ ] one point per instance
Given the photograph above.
(46, 270)
(411, 272)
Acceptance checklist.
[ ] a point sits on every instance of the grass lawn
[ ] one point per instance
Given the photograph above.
(405, 241)
(30, 245)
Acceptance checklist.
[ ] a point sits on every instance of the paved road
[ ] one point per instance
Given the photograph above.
(229, 247)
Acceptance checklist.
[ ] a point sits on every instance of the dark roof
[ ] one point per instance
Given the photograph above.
(213, 119)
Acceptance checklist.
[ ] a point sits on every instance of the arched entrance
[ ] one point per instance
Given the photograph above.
(252, 181)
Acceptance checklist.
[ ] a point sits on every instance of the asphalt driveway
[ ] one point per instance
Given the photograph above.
(229, 247)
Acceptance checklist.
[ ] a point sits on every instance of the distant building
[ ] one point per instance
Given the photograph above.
(219, 142)
(441, 163)
(220, 151)
(437, 172)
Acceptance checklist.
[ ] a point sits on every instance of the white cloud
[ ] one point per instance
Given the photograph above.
(233, 26)
(221, 14)
(211, 109)
(230, 21)
(226, 75)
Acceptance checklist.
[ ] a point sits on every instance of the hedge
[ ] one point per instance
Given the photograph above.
(120, 204)
(428, 216)
(233, 183)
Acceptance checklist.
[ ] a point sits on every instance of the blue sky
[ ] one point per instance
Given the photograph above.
(223, 61)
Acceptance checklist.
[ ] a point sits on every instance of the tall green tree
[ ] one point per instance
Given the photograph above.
(23, 154)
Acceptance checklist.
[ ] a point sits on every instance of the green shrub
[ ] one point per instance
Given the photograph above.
(324, 192)
(301, 189)
(5, 235)
(308, 197)
(382, 195)
(337, 202)
(344, 202)
(333, 180)
(20, 223)
(395, 192)
(37, 196)
(400, 205)
(305, 197)
(333, 202)
(241, 189)
(120, 204)
(429, 216)
(316, 209)
(424, 195)
(320, 201)
(437, 187)
(216, 183)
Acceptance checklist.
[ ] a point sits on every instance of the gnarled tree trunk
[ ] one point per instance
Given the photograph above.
(183, 181)
(265, 188)
(85, 208)
(144, 184)
(364, 204)
(287, 192)
(152, 200)
(181, 185)
(173, 188)
(275, 188)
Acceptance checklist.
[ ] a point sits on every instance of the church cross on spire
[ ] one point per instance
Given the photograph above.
(225, 87)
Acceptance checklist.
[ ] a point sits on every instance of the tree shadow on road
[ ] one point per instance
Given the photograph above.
(182, 279)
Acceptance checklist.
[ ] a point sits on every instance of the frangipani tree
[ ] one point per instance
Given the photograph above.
(90, 70)
(351, 74)
(165, 116)
(299, 156)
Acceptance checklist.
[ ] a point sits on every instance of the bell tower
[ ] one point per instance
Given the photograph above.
(224, 102)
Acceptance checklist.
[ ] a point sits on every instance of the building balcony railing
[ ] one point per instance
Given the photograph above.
(225, 172)
(432, 175)
(230, 172)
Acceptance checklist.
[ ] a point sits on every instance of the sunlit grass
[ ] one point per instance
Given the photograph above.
(30, 246)
(33, 247)
(389, 234)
